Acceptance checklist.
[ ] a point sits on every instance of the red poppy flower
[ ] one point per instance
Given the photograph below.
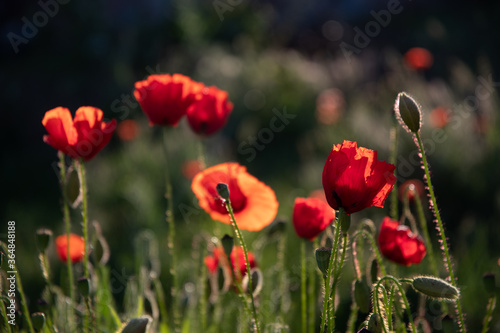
(419, 58)
(311, 216)
(82, 137)
(76, 247)
(210, 112)
(191, 168)
(411, 187)
(397, 243)
(237, 260)
(354, 179)
(165, 98)
(254, 203)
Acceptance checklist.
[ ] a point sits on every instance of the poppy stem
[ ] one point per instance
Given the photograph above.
(67, 224)
(425, 233)
(311, 290)
(444, 242)
(303, 297)
(83, 188)
(169, 216)
(327, 278)
(368, 235)
(201, 155)
(24, 304)
(336, 277)
(243, 245)
(403, 297)
(85, 222)
(393, 160)
(489, 312)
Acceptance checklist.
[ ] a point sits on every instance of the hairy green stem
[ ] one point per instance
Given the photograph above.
(85, 221)
(425, 233)
(311, 290)
(393, 160)
(67, 224)
(374, 247)
(336, 277)
(403, 296)
(169, 217)
(245, 251)
(444, 242)
(327, 278)
(489, 312)
(303, 298)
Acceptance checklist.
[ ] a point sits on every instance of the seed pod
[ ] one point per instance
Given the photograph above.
(408, 112)
(434, 287)
(38, 320)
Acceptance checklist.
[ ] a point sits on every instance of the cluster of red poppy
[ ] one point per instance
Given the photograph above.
(165, 99)
(353, 178)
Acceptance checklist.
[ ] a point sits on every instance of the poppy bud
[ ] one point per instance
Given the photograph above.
(408, 112)
(43, 238)
(223, 190)
(84, 286)
(362, 295)
(38, 320)
(72, 186)
(323, 255)
(227, 243)
(434, 287)
(489, 283)
(137, 325)
(375, 323)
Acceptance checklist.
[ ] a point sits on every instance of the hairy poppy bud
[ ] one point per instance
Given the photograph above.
(43, 238)
(137, 325)
(434, 287)
(408, 112)
(227, 243)
(362, 295)
(323, 258)
(375, 323)
(223, 190)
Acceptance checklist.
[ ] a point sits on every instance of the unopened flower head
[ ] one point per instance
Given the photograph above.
(435, 288)
(408, 112)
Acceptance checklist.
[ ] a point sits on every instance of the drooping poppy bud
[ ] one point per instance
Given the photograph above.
(435, 288)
